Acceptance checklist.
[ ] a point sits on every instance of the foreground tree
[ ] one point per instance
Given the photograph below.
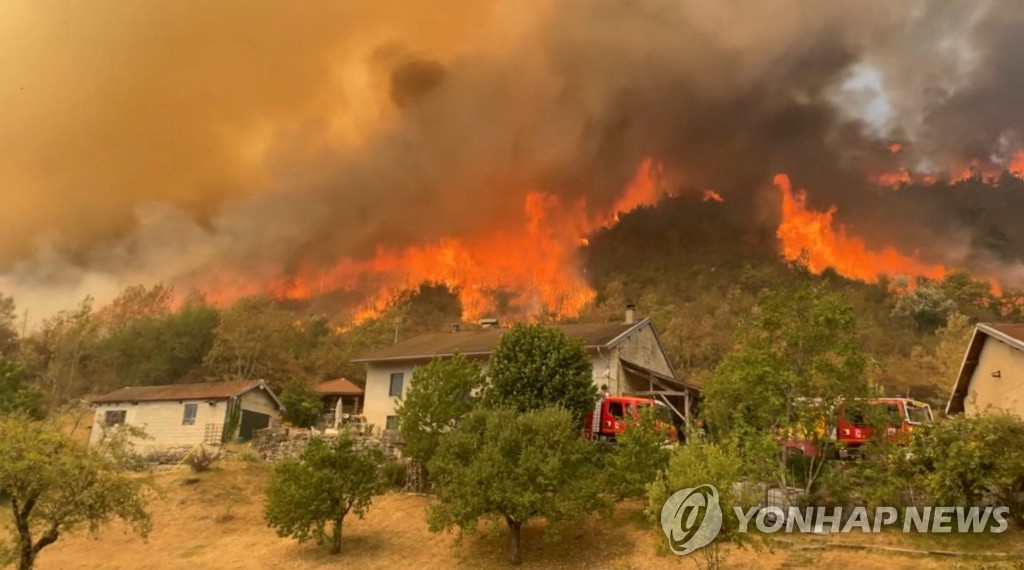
(329, 481)
(797, 356)
(695, 464)
(53, 485)
(536, 367)
(513, 467)
(440, 394)
(638, 457)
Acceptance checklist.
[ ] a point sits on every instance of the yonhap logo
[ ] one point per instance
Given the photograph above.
(691, 518)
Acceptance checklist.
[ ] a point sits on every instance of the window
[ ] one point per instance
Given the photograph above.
(114, 417)
(391, 423)
(615, 410)
(395, 389)
(190, 414)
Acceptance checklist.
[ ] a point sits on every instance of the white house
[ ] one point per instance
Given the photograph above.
(188, 414)
(627, 359)
(992, 373)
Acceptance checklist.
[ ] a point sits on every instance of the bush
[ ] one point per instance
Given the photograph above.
(394, 473)
(972, 461)
(201, 460)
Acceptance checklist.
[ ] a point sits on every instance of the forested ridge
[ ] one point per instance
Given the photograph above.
(682, 264)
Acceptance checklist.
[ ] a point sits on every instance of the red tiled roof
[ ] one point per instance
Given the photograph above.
(338, 387)
(200, 391)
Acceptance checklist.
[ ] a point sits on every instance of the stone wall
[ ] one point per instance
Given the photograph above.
(277, 443)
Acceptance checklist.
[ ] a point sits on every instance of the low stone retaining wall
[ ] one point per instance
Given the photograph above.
(277, 443)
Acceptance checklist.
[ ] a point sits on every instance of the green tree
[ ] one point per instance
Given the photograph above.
(302, 405)
(796, 356)
(255, 339)
(638, 457)
(329, 481)
(155, 347)
(693, 465)
(535, 367)
(439, 395)
(16, 395)
(968, 460)
(63, 348)
(53, 485)
(926, 307)
(515, 467)
(8, 331)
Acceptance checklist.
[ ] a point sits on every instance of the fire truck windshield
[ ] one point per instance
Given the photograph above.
(919, 413)
(662, 414)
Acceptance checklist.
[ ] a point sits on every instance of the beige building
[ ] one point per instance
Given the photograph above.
(188, 414)
(992, 374)
(627, 359)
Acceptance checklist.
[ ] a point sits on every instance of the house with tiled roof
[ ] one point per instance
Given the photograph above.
(991, 375)
(188, 414)
(627, 359)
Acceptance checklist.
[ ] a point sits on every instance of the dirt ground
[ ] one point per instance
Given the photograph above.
(215, 521)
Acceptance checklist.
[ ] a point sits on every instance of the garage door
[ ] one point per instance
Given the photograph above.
(250, 422)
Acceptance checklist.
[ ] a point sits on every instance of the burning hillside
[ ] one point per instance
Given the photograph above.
(480, 147)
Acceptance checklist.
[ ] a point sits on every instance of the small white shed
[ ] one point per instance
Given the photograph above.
(189, 414)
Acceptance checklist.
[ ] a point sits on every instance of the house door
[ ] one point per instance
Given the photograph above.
(250, 422)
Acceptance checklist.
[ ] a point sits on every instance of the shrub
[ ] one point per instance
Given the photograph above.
(201, 460)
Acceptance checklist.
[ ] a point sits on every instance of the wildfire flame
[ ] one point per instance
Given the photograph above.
(712, 196)
(808, 235)
(532, 270)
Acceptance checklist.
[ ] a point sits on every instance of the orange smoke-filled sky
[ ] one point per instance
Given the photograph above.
(169, 141)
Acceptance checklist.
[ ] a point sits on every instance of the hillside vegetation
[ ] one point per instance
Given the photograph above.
(681, 263)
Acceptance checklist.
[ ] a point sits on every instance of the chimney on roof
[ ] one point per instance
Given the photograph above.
(630, 314)
(490, 323)
(455, 327)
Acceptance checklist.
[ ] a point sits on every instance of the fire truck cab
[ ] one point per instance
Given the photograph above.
(612, 414)
(900, 417)
(855, 424)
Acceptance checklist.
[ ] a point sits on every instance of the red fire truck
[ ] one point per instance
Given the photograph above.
(853, 426)
(612, 413)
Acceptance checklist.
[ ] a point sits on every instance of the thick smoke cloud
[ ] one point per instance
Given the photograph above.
(152, 141)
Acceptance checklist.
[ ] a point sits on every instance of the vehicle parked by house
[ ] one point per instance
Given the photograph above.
(612, 415)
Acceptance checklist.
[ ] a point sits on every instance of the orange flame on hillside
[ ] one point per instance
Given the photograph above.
(809, 236)
(711, 196)
(531, 270)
